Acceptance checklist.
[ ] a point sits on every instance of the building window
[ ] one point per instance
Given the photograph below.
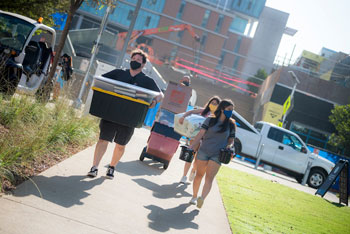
(205, 18)
(310, 136)
(203, 40)
(239, 3)
(180, 34)
(219, 24)
(250, 5)
(173, 53)
(222, 57)
(221, 61)
(151, 2)
(238, 44)
(196, 60)
(131, 13)
(236, 62)
(148, 20)
(181, 9)
(238, 25)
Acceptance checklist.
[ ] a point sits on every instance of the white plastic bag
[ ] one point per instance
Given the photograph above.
(180, 128)
(193, 124)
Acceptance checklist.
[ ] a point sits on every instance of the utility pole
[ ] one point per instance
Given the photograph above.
(296, 81)
(291, 55)
(77, 103)
(128, 35)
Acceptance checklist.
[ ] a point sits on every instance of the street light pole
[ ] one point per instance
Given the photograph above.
(296, 81)
(128, 35)
(77, 103)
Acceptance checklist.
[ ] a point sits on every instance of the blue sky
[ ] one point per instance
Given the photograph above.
(320, 23)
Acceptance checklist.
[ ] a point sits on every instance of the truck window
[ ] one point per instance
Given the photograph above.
(275, 134)
(292, 141)
(258, 126)
(297, 144)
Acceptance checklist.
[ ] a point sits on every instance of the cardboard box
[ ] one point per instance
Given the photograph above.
(176, 97)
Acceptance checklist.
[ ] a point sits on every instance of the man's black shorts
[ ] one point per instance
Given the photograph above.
(110, 131)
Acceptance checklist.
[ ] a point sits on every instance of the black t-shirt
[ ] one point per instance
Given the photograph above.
(140, 79)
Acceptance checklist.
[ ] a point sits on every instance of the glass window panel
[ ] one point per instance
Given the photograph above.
(315, 142)
(205, 18)
(300, 129)
(318, 135)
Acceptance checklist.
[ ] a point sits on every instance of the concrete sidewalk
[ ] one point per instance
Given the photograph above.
(142, 198)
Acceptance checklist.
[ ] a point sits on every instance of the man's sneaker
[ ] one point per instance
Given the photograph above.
(93, 172)
(110, 172)
(193, 201)
(183, 180)
(200, 202)
(192, 175)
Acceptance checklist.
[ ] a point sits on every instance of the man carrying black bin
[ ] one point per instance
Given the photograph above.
(121, 134)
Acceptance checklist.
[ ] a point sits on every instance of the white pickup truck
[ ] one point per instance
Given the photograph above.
(280, 148)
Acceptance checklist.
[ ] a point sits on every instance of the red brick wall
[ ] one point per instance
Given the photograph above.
(226, 24)
(245, 45)
(208, 61)
(214, 44)
(213, 20)
(172, 7)
(163, 22)
(193, 14)
(161, 48)
(185, 54)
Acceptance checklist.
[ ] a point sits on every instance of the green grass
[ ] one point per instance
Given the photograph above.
(30, 131)
(256, 205)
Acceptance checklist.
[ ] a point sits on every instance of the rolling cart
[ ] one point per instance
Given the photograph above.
(161, 144)
(163, 140)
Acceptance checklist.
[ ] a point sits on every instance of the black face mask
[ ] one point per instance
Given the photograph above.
(134, 65)
(186, 83)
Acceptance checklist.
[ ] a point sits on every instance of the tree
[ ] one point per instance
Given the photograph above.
(340, 118)
(74, 6)
(36, 8)
(258, 79)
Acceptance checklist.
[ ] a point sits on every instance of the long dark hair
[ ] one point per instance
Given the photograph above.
(223, 104)
(206, 108)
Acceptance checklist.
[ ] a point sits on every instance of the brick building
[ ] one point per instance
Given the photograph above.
(236, 36)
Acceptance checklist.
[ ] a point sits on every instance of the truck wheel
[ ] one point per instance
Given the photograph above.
(238, 146)
(316, 178)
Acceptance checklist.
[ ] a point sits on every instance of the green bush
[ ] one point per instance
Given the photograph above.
(30, 130)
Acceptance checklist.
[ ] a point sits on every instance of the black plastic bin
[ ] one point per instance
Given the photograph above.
(118, 108)
(165, 130)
